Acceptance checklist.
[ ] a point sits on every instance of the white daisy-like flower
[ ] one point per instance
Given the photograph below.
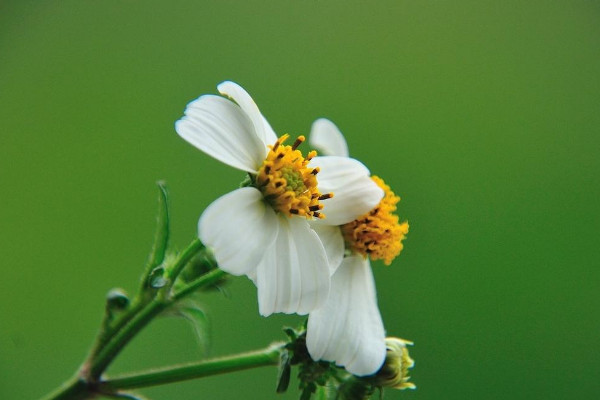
(348, 329)
(262, 230)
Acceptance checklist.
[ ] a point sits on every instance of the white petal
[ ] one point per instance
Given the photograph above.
(239, 95)
(294, 276)
(348, 329)
(331, 237)
(222, 130)
(240, 228)
(270, 135)
(354, 192)
(327, 138)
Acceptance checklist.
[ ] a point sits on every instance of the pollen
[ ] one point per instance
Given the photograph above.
(288, 183)
(377, 234)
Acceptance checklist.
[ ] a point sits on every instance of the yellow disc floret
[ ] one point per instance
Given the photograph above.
(288, 183)
(377, 234)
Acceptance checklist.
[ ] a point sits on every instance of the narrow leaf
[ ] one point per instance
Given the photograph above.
(161, 237)
(192, 312)
(284, 372)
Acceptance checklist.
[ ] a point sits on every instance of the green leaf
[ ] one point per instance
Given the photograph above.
(284, 372)
(161, 237)
(192, 312)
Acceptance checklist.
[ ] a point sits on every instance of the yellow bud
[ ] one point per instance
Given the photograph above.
(394, 372)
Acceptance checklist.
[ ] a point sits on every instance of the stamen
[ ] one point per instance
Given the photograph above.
(378, 233)
(298, 142)
(287, 183)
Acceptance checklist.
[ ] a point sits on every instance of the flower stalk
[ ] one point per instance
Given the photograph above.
(264, 357)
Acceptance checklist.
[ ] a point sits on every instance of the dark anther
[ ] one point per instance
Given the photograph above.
(276, 145)
(314, 208)
(316, 214)
(315, 171)
(325, 196)
(314, 195)
(280, 156)
(293, 211)
(278, 184)
(267, 169)
(298, 142)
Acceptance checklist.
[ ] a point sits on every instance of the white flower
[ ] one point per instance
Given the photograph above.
(348, 329)
(262, 230)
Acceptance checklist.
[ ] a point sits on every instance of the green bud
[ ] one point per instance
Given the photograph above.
(117, 300)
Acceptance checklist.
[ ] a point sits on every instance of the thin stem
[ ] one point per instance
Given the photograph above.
(185, 256)
(108, 331)
(123, 336)
(73, 389)
(141, 315)
(259, 358)
(204, 280)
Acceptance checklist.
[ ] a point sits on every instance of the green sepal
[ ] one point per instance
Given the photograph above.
(308, 391)
(248, 181)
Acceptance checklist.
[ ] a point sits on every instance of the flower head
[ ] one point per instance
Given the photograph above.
(377, 234)
(348, 329)
(261, 230)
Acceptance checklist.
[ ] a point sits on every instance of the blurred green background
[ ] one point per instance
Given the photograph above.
(483, 115)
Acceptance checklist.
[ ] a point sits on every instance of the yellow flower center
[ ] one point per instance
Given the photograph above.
(378, 233)
(287, 183)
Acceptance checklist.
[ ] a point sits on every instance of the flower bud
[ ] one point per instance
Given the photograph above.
(117, 300)
(394, 372)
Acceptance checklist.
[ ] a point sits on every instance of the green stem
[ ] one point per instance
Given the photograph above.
(113, 347)
(107, 354)
(264, 357)
(205, 280)
(113, 337)
(185, 257)
(73, 389)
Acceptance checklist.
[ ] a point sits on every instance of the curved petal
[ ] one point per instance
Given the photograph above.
(354, 192)
(327, 138)
(333, 242)
(294, 276)
(240, 228)
(222, 130)
(348, 329)
(240, 96)
(270, 135)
